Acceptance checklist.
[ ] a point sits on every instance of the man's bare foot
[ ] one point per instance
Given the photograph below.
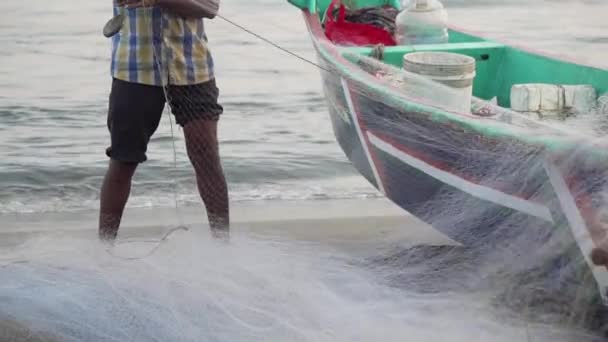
(222, 234)
(599, 257)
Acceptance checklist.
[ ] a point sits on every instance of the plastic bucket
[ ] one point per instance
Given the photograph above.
(451, 69)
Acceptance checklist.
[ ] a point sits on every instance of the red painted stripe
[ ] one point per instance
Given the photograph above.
(590, 213)
(375, 159)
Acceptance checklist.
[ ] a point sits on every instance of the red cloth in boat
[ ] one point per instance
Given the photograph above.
(343, 32)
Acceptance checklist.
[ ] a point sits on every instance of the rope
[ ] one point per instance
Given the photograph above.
(158, 243)
(306, 60)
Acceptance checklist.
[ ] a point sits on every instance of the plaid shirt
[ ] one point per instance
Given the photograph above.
(158, 48)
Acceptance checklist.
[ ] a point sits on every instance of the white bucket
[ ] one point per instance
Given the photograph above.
(454, 70)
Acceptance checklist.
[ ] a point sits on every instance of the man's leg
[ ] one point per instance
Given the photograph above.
(203, 151)
(197, 110)
(114, 195)
(134, 114)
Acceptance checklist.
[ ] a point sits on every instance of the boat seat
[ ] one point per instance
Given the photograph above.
(481, 51)
(450, 47)
(484, 52)
(488, 55)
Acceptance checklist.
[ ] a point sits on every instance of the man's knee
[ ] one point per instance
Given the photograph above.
(201, 138)
(201, 127)
(120, 171)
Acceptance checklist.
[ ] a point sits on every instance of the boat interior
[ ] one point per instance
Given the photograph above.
(499, 69)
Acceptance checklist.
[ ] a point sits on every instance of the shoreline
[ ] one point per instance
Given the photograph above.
(355, 220)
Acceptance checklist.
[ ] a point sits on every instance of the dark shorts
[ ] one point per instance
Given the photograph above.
(135, 111)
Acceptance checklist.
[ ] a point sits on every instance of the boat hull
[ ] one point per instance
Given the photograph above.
(482, 190)
(406, 162)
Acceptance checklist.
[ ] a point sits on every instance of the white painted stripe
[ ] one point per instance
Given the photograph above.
(479, 191)
(577, 224)
(353, 114)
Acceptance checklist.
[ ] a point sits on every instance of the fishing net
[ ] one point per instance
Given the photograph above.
(533, 260)
(509, 266)
(253, 289)
(197, 111)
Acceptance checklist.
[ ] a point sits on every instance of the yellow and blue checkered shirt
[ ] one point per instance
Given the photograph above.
(157, 48)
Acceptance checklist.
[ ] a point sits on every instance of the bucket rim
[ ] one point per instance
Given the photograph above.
(465, 59)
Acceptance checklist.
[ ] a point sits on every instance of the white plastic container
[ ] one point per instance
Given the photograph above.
(537, 98)
(422, 22)
(553, 100)
(580, 98)
(602, 104)
(449, 69)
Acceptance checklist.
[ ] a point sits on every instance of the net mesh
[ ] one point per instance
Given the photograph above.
(197, 112)
(528, 261)
(514, 270)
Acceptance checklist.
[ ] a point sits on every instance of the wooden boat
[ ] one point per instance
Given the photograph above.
(502, 179)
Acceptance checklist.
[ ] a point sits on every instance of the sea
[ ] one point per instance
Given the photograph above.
(275, 135)
(276, 140)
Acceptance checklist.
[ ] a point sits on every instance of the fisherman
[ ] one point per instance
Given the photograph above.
(162, 52)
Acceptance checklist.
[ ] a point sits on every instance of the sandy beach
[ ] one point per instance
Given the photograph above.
(330, 221)
(294, 271)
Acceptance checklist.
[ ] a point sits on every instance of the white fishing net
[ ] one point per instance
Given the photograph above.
(194, 288)
(508, 276)
(533, 256)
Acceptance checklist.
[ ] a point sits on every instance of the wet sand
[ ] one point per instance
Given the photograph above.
(331, 221)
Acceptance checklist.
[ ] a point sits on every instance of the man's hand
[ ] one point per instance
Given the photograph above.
(137, 3)
(183, 8)
(191, 8)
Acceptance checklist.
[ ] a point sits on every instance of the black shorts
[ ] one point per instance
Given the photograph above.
(135, 111)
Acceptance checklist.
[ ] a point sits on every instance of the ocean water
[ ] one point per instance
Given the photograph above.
(276, 139)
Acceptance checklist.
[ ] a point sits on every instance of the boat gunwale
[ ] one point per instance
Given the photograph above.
(482, 125)
(562, 57)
